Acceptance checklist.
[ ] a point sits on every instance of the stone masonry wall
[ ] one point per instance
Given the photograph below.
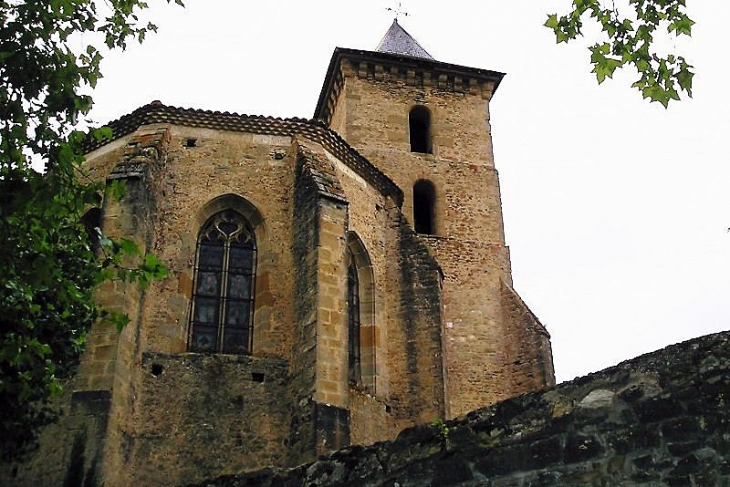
(73, 450)
(528, 353)
(305, 220)
(371, 418)
(197, 415)
(369, 219)
(70, 451)
(401, 303)
(371, 106)
(462, 164)
(331, 416)
(476, 337)
(331, 392)
(658, 420)
(131, 217)
(417, 393)
(204, 170)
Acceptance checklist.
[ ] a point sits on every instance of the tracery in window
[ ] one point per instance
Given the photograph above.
(221, 319)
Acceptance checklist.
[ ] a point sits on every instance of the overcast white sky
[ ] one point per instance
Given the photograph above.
(616, 210)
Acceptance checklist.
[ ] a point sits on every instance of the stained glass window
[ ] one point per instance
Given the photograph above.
(221, 318)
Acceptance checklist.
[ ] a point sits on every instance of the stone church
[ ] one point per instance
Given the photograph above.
(332, 281)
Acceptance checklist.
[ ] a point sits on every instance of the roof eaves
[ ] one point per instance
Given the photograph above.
(315, 130)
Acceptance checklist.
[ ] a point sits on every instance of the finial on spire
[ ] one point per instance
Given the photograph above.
(398, 11)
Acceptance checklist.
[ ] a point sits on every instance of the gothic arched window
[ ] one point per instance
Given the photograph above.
(419, 123)
(221, 317)
(353, 324)
(362, 340)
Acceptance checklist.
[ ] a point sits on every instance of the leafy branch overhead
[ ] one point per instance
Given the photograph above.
(50, 55)
(633, 40)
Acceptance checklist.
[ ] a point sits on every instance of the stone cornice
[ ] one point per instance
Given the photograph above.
(413, 71)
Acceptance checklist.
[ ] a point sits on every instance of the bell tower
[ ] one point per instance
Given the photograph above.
(425, 124)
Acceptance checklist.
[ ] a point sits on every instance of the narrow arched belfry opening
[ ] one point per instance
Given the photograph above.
(361, 331)
(424, 207)
(419, 125)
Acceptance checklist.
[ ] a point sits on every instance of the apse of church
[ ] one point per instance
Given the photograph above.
(331, 281)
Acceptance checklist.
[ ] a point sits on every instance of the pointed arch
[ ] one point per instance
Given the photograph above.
(354, 324)
(221, 319)
(361, 314)
(222, 304)
(234, 202)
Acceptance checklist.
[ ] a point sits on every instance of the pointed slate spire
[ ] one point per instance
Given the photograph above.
(398, 41)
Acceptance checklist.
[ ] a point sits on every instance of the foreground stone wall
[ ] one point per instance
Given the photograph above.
(659, 419)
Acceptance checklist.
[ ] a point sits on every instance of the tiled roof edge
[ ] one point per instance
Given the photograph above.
(315, 130)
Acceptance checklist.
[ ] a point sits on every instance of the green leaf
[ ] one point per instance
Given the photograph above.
(117, 188)
(102, 133)
(552, 22)
(49, 271)
(630, 40)
(684, 78)
(682, 26)
(128, 247)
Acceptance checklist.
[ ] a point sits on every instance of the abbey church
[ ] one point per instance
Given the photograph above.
(332, 281)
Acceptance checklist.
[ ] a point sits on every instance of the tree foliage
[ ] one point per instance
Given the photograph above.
(631, 40)
(48, 269)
